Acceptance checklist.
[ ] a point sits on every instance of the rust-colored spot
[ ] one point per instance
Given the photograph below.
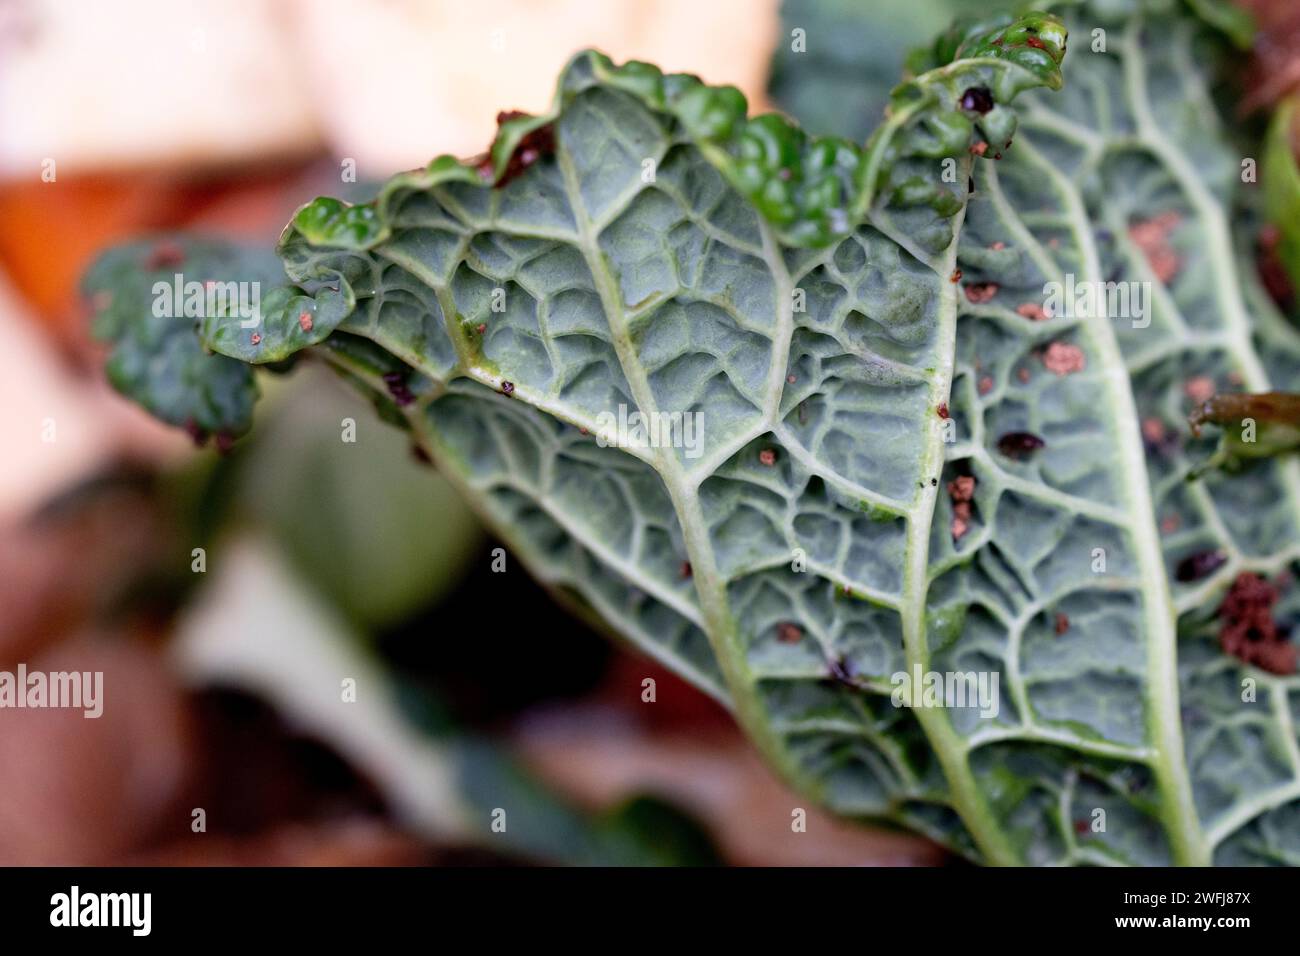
(481, 328)
(985, 384)
(790, 379)
(1199, 565)
(1153, 431)
(943, 411)
(977, 293)
(1036, 43)
(1248, 630)
(256, 338)
(788, 633)
(1063, 359)
(767, 456)
(304, 321)
(1151, 236)
(998, 246)
(956, 276)
(1062, 624)
(685, 569)
(961, 491)
(1199, 389)
(531, 147)
(1031, 311)
(420, 455)
(508, 388)
(1019, 445)
(980, 148)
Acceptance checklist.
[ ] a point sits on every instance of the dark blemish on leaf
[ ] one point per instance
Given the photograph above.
(1031, 311)
(970, 185)
(1062, 624)
(256, 338)
(956, 276)
(1019, 445)
(530, 148)
(508, 388)
(1151, 236)
(1022, 375)
(978, 99)
(985, 384)
(1063, 359)
(420, 455)
(977, 293)
(1199, 565)
(224, 442)
(803, 413)
(943, 410)
(685, 570)
(790, 379)
(767, 456)
(1247, 629)
(1036, 43)
(480, 328)
(788, 633)
(304, 321)
(1199, 389)
(979, 148)
(397, 388)
(998, 246)
(165, 255)
(1081, 827)
(962, 492)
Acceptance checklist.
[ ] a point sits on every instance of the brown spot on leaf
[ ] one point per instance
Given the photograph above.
(531, 147)
(943, 410)
(1199, 389)
(978, 99)
(1063, 359)
(1248, 630)
(507, 388)
(1019, 445)
(962, 492)
(956, 276)
(767, 457)
(985, 384)
(1199, 565)
(1031, 311)
(977, 293)
(788, 633)
(304, 321)
(1151, 236)
(980, 148)
(1062, 624)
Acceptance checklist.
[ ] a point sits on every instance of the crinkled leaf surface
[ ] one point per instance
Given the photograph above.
(810, 550)
(1187, 770)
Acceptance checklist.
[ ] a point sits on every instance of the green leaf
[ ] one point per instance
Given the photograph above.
(139, 298)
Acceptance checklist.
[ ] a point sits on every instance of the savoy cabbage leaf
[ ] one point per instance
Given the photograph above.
(795, 417)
